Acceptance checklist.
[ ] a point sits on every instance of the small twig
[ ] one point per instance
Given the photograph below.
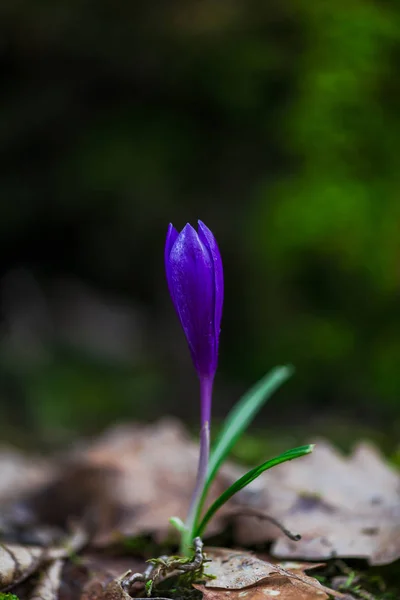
(258, 514)
(128, 582)
(198, 557)
(164, 567)
(72, 544)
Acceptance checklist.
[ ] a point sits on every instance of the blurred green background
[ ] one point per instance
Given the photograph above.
(278, 124)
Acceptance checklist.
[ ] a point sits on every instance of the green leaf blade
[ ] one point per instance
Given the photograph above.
(247, 478)
(236, 422)
(242, 414)
(178, 524)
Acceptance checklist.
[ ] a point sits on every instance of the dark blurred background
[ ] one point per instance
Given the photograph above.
(277, 123)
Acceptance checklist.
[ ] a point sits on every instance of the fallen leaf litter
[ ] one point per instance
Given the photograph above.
(341, 506)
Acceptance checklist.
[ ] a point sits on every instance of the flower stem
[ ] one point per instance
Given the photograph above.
(206, 386)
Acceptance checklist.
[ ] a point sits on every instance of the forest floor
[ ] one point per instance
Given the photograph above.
(78, 524)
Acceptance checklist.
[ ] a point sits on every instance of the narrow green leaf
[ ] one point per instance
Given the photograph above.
(177, 523)
(235, 423)
(248, 478)
(242, 414)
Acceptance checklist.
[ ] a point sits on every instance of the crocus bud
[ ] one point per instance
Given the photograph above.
(194, 272)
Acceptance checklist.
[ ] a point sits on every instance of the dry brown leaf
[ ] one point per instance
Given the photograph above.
(21, 473)
(134, 477)
(157, 465)
(98, 588)
(115, 591)
(22, 477)
(239, 574)
(131, 480)
(279, 588)
(341, 506)
(49, 583)
(102, 570)
(234, 570)
(17, 563)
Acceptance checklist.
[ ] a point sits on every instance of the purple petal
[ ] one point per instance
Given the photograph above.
(208, 239)
(191, 274)
(172, 234)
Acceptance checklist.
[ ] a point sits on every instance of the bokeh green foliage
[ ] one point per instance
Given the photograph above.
(275, 122)
(332, 230)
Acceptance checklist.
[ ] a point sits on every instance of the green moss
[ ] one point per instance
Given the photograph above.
(8, 596)
(377, 583)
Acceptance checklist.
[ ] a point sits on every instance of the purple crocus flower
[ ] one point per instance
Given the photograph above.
(194, 272)
(195, 279)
